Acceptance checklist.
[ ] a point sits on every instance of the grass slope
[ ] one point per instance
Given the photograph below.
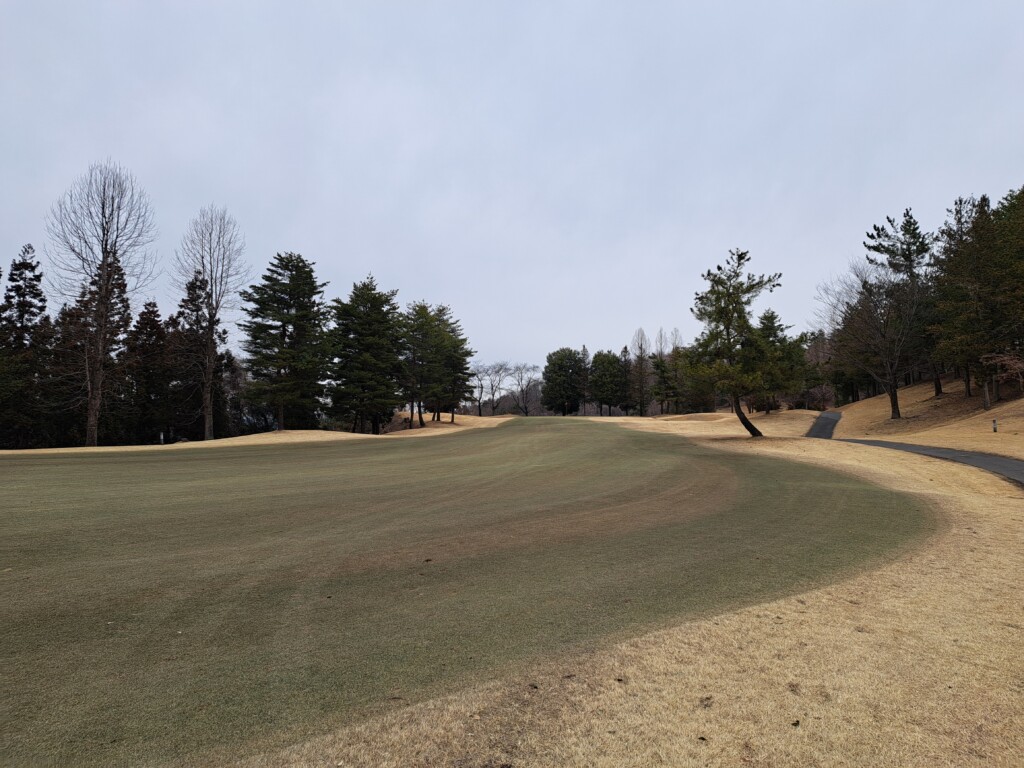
(166, 607)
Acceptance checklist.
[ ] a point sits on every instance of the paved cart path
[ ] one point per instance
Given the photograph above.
(1012, 469)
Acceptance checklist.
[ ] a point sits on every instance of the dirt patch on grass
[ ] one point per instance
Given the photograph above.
(916, 663)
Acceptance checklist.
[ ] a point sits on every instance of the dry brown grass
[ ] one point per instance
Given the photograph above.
(949, 421)
(917, 663)
(286, 436)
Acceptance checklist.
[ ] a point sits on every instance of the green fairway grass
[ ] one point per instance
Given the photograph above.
(159, 606)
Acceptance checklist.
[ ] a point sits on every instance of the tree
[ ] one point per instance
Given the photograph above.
(724, 308)
(100, 231)
(609, 383)
(25, 333)
(188, 345)
(454, 355)
(212, 248)
(366, 348)
(640, 348)
(285, 339)
(420, 365)
(782, 360)
(495, 376)
(874, 312)
(149, 374)
(524, 384)
(564, 376)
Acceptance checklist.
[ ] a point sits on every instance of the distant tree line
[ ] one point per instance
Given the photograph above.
(95, 374)
(920, 305)
(735, 361)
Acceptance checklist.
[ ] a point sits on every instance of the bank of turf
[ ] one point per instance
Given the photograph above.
(157, 606)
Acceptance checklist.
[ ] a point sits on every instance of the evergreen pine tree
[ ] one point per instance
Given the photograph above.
(25, 333)
(366, 369)
(285, 341)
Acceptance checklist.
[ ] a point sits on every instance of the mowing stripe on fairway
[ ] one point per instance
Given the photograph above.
(157, 606)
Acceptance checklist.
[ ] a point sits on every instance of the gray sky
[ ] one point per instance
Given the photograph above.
(560, 173)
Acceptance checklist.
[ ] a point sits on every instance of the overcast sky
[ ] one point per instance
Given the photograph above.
(559, 173)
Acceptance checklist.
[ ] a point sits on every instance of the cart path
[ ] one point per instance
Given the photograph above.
(1011, 469)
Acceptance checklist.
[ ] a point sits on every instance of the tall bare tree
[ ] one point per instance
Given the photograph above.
(212, 249)
(496, 374)
(641, 349)
(525, 382)
(100, 232)
(870, 315)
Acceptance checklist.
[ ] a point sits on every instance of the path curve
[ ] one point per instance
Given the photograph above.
(1011, 469)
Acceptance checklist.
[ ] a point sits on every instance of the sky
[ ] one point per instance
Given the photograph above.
(558, 173)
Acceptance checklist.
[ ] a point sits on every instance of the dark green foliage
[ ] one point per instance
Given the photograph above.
(564, 381)
(285, 341)
(25, 339)
(729, 337)
(437, 354)
(609, 380)
(149, 372)
(367, 346)
(780, 359)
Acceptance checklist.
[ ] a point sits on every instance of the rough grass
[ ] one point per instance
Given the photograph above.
(189, 605)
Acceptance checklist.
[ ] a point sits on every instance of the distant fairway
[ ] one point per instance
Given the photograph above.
(165, 605)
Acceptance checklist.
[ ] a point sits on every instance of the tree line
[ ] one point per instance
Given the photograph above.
(94, 373)
(734, 359)
(919, 305)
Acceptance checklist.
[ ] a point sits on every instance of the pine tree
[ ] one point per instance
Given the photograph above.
(366, 369)
(724, 308)
(285, 341)
(25, 334)
(149, 376)
(563, 387)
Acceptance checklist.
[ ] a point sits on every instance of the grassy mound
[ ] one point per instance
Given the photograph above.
(159, 606)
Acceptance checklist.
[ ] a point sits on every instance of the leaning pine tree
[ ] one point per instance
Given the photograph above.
(728, 338)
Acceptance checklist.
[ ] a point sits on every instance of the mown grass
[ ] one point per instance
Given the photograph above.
(160, 607)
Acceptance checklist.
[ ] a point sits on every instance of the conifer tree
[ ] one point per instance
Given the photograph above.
(285, 341)
(25, 333)
(366, 344)
(149, 376)
(724, 308)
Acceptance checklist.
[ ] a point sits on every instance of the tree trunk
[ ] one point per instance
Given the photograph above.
(452, 420)
(92, 417)
(420, 407)
(280, 417)
(737, 408)
(894, 401)
(967, 381)
(986, 401)
(209, 366)
(937, 379)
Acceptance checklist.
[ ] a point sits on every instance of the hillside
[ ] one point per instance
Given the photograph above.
(950, 420)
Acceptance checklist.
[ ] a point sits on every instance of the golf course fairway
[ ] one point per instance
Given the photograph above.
(165, 605)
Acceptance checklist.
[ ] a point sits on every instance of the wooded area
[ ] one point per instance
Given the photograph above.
(916, 305)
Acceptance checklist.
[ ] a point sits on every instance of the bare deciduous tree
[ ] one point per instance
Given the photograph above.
(100, 231)
(641, 349)
(496, 374)
(212, 249)
(524, 387)
(870, 315)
